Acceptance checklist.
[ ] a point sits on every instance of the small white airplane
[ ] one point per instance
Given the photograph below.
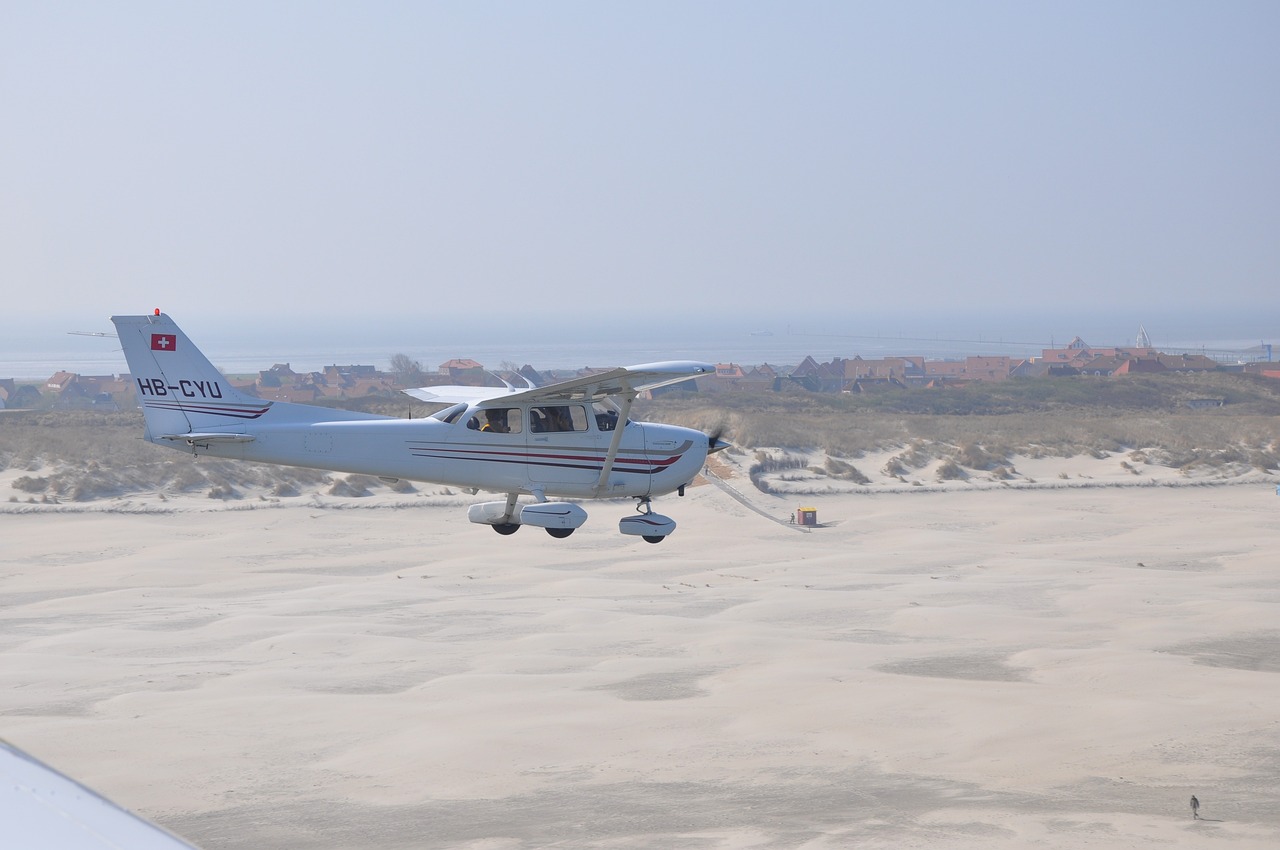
(569, 440)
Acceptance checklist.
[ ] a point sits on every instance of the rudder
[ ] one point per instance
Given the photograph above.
(179, 390)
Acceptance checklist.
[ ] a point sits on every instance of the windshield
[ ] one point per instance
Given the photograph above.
(449, 414)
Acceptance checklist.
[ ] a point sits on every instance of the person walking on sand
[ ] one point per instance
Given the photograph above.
(1195, 808)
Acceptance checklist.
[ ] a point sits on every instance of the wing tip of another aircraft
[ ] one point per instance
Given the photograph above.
(53, 810)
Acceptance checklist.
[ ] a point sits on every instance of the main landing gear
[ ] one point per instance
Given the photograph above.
(560, 519)
(513, 527)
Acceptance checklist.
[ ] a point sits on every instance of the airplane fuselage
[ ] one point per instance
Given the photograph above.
(652, 459)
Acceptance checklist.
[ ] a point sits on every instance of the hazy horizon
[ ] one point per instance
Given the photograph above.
(251, 342)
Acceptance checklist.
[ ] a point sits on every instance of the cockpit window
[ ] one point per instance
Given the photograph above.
(449, 414)
(559, 417)
(606, 417)
(497, 420)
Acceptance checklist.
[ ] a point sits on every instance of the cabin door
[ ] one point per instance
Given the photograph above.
(564, 445)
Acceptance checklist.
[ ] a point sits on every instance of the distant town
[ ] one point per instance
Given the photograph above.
(71, 391)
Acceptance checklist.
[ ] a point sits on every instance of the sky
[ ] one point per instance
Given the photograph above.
(585, 167)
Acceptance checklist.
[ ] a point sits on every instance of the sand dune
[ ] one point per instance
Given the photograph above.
(993, 668)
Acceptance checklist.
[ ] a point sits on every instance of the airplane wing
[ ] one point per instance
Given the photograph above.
(455, 394)
(41, 807)
(620, 381)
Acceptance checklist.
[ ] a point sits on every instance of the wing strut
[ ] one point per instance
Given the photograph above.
(612, 454)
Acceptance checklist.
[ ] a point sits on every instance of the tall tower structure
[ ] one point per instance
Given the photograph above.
(1144, 341)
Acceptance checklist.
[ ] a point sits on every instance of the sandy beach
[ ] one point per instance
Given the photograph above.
(987, 668)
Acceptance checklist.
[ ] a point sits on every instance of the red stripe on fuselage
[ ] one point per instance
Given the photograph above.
(215, 410)
(576, 461)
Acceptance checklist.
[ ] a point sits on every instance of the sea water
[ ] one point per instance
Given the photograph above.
(245, 348)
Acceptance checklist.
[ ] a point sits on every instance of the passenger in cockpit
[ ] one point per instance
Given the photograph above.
(558, 419)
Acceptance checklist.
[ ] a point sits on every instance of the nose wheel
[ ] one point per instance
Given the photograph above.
(647, 525)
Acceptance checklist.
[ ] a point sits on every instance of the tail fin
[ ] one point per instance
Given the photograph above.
(180, 391)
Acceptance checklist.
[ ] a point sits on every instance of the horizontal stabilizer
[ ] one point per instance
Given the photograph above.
(215, 437)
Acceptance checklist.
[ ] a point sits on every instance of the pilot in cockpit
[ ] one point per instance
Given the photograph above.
(495, 421)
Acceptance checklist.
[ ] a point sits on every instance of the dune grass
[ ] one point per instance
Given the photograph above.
(983, 426)
(83, 456)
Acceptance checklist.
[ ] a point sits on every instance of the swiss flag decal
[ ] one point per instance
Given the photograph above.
(163, 342)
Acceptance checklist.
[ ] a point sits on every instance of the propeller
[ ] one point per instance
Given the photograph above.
(714, 443)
